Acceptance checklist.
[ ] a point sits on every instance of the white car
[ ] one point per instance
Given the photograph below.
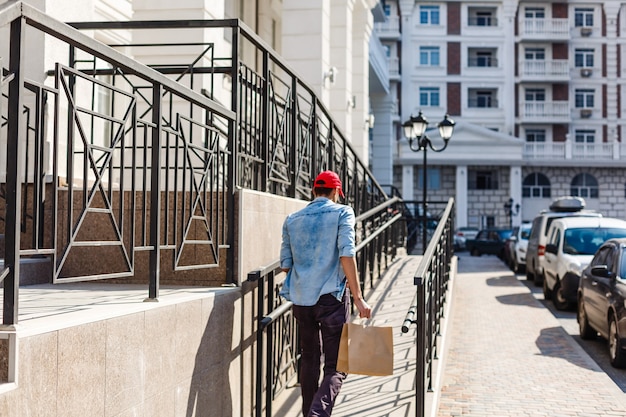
(518, 244)
(571, 244)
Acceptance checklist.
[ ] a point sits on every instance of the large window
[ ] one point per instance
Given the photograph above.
(482, 98)
(479, 57)
(429, 56)
(583, 17)
(584, 98)
(535, 135)
(584, 185)
(535, 94)
(429, 96)
(585, 136)
(534, 13)
(483, 180)
(583, 58)
(481, 17)
(429, 15)
(536, 185)
(535, 54)
(434, 178)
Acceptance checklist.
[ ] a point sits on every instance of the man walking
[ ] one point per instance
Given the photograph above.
(318, 253)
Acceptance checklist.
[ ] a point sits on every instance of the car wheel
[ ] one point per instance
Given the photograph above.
(585, 330)
(475, 252)
(617, 354)
(558, 298)
(547, 292)
(529, 275)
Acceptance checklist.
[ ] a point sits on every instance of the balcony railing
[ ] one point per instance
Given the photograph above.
(544, 111)
(562, 151)
(390, 28)
(545, 28)
(394, 66)
(540, 70)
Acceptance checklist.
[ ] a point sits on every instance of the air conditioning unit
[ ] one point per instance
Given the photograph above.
(586, 72)
(586, 31)
(585, 113)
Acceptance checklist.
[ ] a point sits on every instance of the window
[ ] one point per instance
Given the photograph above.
(534, 13)
(583, 17)
(535, 135)
(483, 180)
(429, 96)
(584, 98)
(583, 58)
(482, 57)
(535, 94)
(535, 54)
(585, 136)
(429, 15)
(481, 17)
(584, 185)
(481, 98)
(536, 185)
(434, 178)
(387, 10)
(429, 56)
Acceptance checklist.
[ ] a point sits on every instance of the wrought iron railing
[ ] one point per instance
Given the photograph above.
(380, 232)
(101, 131)
(431, 281)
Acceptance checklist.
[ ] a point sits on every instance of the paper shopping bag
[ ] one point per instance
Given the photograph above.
(365, 350)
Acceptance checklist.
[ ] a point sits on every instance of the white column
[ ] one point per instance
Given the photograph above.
(407, 183)
(383, 141)
(508, 64)
(341, 56)
(515, 192)
(363, 24)
(461, 196)
(407, 51)
(612, 71)
(306, 42)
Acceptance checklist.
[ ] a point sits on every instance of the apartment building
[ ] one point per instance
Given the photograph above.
(535, 89)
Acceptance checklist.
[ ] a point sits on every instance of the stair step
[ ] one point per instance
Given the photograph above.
(33, 271)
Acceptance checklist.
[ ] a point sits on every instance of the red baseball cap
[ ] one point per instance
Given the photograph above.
(328, 179)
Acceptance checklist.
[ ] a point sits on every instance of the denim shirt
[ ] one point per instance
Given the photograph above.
(313, 240)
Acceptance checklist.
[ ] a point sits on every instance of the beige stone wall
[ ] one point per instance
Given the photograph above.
(179, 359)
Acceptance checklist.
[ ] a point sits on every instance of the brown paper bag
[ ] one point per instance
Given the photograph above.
(365, 350)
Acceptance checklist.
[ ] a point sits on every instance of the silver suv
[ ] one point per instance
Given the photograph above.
(535, 252)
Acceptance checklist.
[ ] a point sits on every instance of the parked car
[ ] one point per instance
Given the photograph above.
(515, 248)
(489, 241)
(462, 234)
(535, 250)
(602, 299)
(572, 242)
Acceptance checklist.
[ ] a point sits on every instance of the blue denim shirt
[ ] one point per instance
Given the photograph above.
(314, 239)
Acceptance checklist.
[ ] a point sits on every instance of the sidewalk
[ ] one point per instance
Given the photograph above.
(509, 356)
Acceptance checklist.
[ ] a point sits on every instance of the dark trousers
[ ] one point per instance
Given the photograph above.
(320, 332)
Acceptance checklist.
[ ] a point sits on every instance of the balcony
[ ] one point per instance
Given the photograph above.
(389, 29)
(563, 151)
(544, 29)
(394, 67)
(379, 68)
(544, 111)
(552, 70)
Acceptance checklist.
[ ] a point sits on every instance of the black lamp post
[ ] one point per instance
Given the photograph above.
(512, 210)
(415, 133)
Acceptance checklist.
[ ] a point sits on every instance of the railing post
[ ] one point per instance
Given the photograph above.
(421, 348)
(155, 194)
(265, 138)
(259, 348)
(293, 143)
(15, 131)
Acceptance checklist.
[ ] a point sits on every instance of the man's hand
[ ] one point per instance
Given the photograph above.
(365, 311)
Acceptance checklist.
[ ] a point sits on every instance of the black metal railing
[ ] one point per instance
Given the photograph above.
(426, 310)
(89, 140)
(380, 232)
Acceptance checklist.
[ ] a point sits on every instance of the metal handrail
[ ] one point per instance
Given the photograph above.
(426, 309)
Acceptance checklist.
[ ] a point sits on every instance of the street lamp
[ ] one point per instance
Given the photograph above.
(415, 133)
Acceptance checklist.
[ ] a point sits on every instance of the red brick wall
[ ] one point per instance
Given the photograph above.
(454, 18)
(559, 51)
(559, 10)
(560, 92)
(454, 58)
(454, 99)
(559, 132)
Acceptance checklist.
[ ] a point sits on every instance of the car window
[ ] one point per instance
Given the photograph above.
(622, 268)
(524, 232)
(556, 237)
(600, 257)
(534, 230)
(549, 221)
(610, 259)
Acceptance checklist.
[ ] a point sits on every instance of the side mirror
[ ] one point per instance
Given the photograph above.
(551, 248)
(601, 271)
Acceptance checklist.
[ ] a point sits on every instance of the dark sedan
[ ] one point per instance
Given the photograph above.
(489, 241)
(601, 298)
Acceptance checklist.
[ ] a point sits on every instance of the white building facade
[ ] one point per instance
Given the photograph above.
(536, 90)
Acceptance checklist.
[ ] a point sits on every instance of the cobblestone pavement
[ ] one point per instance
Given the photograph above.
(508, 356)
